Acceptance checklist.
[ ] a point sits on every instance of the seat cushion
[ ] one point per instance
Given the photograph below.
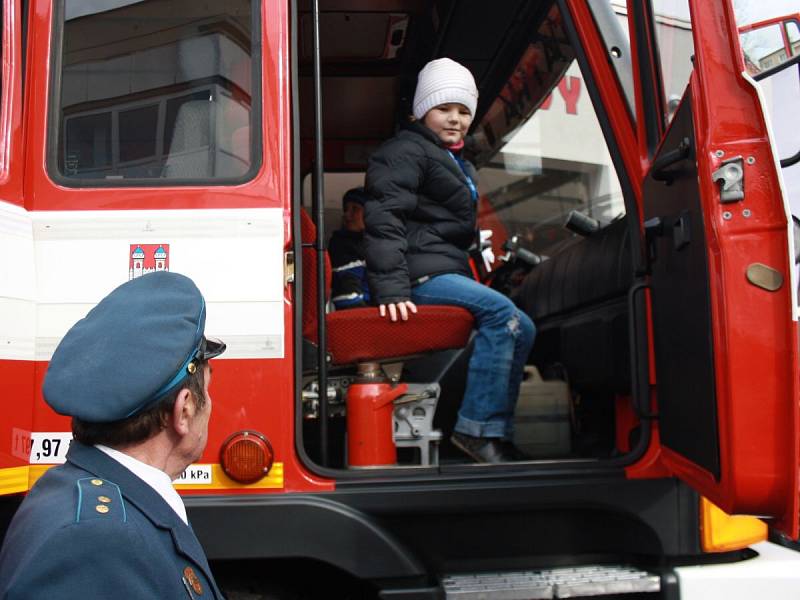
(362, 335)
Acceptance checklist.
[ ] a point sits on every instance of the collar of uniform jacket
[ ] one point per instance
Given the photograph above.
(145, 498)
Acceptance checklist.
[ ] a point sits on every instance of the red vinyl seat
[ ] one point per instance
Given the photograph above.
(358, 335)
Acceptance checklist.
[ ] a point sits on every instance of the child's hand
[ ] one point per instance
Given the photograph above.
(402, 307)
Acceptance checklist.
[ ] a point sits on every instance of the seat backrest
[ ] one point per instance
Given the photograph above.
(308, 234)
(579, 302)
(591, 271)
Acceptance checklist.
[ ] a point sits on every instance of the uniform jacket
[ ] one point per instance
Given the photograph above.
(421, 219)
(349, 285)
(91, 529)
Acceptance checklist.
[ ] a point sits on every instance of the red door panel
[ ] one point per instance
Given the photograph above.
(725, 326)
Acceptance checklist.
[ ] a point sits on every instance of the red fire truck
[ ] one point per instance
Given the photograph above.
(215, 139)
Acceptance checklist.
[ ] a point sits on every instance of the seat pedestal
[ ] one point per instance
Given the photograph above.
(413, 422)
(383, 415)
(369, 418)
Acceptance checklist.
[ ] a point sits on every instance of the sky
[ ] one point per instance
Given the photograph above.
(758, 10)
(748, 11)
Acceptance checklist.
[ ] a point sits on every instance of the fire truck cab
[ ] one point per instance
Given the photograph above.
(636, 197)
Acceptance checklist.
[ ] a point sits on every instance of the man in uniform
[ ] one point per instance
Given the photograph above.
(133, 375)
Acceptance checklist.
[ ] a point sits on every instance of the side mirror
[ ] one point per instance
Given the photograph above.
(771, 52)
(767, 45)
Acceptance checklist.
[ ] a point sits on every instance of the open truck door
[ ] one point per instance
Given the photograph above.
(723, 303)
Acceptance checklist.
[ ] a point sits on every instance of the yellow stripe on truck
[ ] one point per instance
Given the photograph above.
(220, 481)
(14, 480)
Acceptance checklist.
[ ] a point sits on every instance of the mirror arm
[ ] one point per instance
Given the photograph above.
(794, 61)
(792, 160)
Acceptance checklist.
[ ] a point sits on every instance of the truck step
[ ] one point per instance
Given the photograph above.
(566, 582)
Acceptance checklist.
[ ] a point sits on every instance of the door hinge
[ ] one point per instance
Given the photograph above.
(730, 176)
(288, 267)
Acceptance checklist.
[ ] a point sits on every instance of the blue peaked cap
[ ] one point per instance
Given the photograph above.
(131, 350)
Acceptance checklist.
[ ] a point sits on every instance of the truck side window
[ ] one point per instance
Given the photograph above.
(153, 91)
(675, 46)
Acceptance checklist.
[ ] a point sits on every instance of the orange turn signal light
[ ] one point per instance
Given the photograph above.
(721, 532)
(246, 456)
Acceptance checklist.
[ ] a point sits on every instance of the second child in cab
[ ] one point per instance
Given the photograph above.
(346, 248)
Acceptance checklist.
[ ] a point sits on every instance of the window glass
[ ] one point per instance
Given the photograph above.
(550, 162)
(88, 147)
(154, 90)
(188, 120)
(675, 47)
(138, 130)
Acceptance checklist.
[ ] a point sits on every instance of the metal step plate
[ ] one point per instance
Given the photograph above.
(567, 582)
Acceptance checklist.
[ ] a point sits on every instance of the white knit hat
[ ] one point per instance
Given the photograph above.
(442, 81)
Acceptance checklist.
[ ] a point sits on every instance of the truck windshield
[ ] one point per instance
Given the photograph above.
(555, 162)
(540, 148)
(155, 90)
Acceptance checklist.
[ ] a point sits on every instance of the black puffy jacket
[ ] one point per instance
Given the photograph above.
(421, 219)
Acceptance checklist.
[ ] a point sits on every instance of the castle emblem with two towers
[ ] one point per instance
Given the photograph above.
(147, 258)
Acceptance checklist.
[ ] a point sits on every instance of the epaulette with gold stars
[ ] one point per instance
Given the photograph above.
(99, 499)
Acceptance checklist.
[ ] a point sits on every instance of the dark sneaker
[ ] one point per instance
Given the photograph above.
(483, 450)
(514, 452)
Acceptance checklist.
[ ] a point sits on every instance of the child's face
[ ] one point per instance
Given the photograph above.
(448, 121)
(353, 216)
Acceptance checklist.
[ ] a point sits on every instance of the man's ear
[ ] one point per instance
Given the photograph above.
(183, 411)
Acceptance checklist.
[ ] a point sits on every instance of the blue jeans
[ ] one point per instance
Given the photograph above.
(502, 344)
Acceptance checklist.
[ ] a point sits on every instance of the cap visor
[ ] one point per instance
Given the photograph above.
(211, 348)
